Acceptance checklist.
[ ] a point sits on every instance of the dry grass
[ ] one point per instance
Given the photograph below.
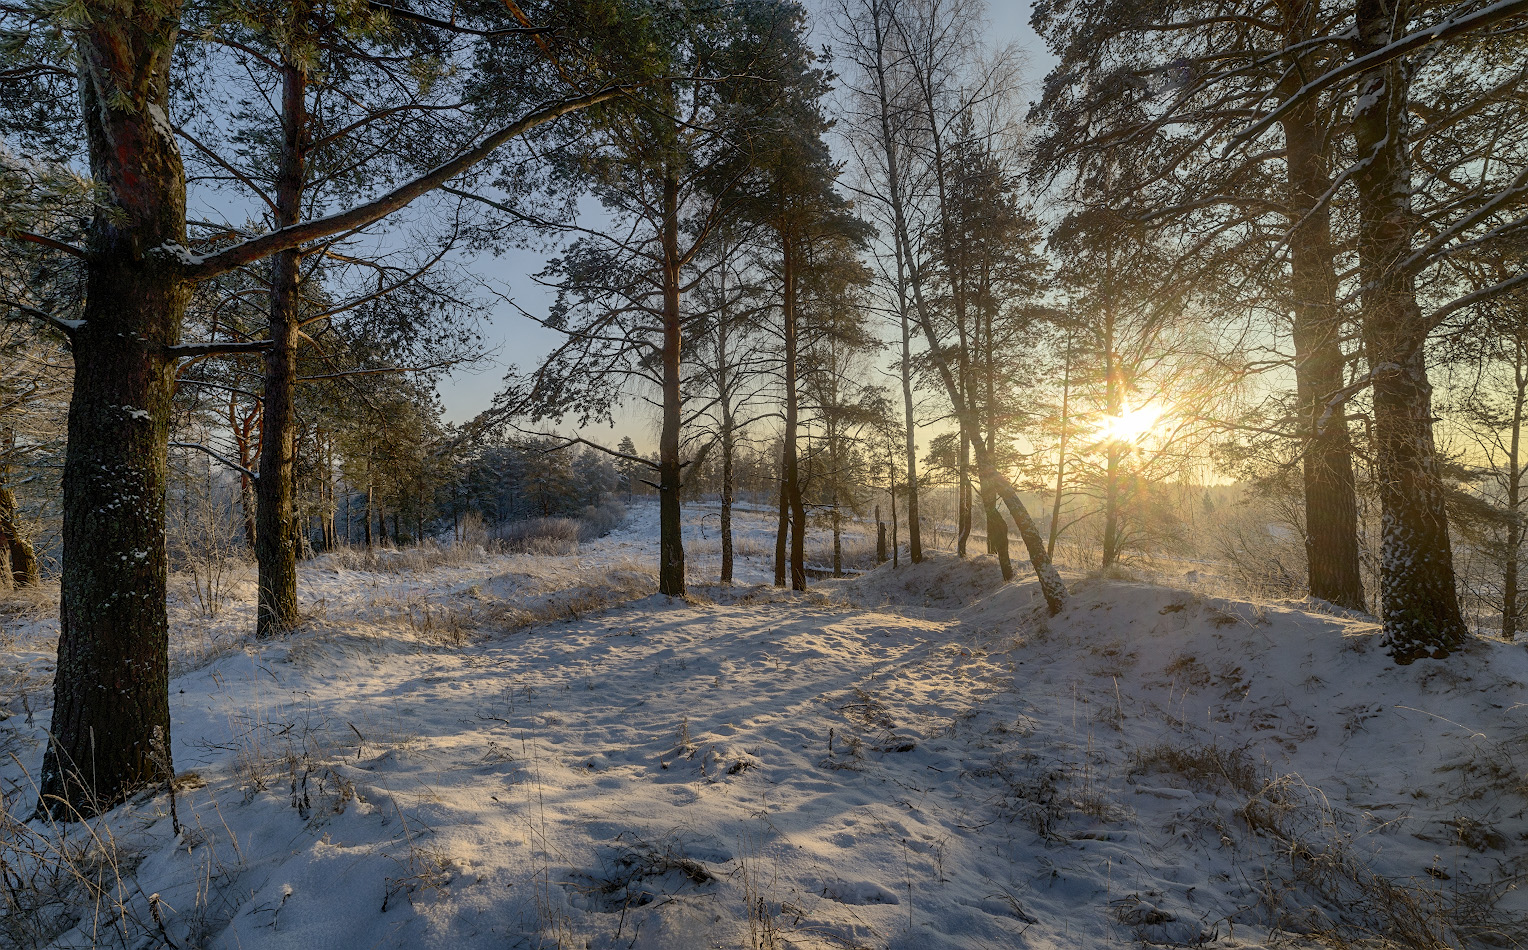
(1323, 886)
(386, 559)
(1209, 767)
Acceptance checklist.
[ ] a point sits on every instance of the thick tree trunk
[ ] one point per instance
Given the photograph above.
(670, 474)
(110, 731)
(275, 531)
(111, 692)
(1331, 508)
(1417, 593)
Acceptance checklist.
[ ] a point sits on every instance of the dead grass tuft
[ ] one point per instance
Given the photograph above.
(1209, 767)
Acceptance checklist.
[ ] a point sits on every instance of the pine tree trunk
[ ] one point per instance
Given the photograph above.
(1417, 593)
(275, 550)
(1509, 591)
(729, 438)
(110, 730)
(1066, 407)
(1331, 507)
(963, 496)
(997, 531)
(792, 484)
(782, 529)
(670, 539)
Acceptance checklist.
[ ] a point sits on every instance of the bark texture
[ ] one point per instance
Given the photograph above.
(1417, 593)
(1331, 509)
(111, 720)
(275, 533)
(670, 472)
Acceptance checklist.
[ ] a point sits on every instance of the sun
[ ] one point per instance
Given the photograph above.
(1130, 426)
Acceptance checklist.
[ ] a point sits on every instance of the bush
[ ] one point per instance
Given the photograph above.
(599, 520)
(548, 536)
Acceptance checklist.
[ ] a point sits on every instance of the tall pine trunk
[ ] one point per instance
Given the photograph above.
(1331, 507)
(670, 474)
(1066, 419)
(729, 423)
(1114, 450)
(110, 730)
(1417, 593)
(997, 531)
(795, 506)
(782, 528)
(1509, 595)
(275, 534)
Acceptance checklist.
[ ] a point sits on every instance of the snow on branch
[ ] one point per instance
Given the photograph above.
(1437, 33)
(66, 327)
(212, 452)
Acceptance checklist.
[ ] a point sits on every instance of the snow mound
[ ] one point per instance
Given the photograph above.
(942, 580)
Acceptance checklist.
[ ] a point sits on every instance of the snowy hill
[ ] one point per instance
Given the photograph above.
(486, 754)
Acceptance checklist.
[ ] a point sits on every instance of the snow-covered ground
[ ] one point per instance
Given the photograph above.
(485, 753)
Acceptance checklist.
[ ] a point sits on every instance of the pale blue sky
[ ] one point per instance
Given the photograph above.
(518, 341)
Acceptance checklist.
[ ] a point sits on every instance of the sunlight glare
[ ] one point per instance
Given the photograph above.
(1130, 426)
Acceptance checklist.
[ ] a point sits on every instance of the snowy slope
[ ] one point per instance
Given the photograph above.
(478, 755)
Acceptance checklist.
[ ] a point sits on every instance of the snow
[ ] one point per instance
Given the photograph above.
(475, 754)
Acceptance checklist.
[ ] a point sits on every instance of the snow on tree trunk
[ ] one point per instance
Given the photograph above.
(111, 689)
(1417, 593)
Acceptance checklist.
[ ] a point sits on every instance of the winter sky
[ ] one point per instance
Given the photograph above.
(517, 341)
